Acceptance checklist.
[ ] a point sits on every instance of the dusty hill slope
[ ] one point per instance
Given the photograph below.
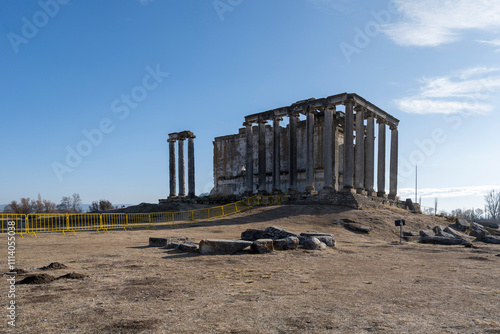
(366, 284)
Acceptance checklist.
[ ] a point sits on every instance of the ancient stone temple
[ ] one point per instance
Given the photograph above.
(333, 149)
(180, 137)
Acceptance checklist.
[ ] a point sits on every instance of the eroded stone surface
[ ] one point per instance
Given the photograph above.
(263, 246)
(164, 242)
(253, 234)
(314, 244)
(286, 243)
(219, 246)
(190, 247)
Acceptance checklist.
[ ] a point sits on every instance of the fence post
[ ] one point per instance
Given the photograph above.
(149, 218)
(222, 209)
(100, 220)
(126, 220)
(67, 221)
(192, 215)
(27, 223)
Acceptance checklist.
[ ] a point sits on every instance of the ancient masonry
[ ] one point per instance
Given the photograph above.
(180, 137)
(330, 150)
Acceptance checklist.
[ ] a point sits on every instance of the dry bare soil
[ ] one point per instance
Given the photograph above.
(366, 284)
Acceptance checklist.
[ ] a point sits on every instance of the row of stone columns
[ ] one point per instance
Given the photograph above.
(180, 137)
(359, 164)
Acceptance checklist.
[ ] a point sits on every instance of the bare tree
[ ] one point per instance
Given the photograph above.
(76, 201)
(492, 200)
(49, 206)
(101, 205)
(65, 205)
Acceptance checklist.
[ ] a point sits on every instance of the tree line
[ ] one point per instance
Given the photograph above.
(491, 209)
(68, 204)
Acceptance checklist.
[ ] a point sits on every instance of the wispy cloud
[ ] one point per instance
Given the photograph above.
(447, 192)
(436, 22)
(468, 91)
(494, 42)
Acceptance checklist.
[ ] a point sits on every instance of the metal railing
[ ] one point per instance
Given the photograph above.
(71, 222)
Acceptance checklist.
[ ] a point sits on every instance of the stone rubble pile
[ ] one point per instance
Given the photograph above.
(459, 233)
(259, 241)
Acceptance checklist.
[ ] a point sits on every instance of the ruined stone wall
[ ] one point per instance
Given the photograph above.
(230, 158)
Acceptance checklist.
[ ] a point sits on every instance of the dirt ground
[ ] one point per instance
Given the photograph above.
(366, 284)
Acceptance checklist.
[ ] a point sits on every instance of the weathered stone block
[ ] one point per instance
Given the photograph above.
(443, 241)
(491, 239)
(478, 231)
(190, 247)
(488, 223)
(427, 233)
(286, 243)
(314, 244)
(263, 246)
(163, 242)
(253, 234)
(218, 246)
(439, 230)
(278, 233)
(357, 228)
(327, 240)
(315, 234)
(462, 224)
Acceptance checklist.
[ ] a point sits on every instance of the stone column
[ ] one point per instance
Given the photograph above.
(370, 155)
(336, 154)
(276, 154)
(310, 150)
(182, 171)
(191, 187)
(360, 150)
(393, 180)
(348, 145)
(381, 159)
(292, 156)
(249, 158)
(171, 158)
(328, 146)
(262, 156)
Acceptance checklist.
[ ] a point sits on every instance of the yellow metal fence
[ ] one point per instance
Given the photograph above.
(72, 222)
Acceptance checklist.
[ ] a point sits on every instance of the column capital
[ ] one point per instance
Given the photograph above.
(393, 126)
(332, 107)
(293, 113)
(348, 101)
(171, 140)
(277, 118)
(247, 123)
(262, 121)
(381, 121)
(369, 113)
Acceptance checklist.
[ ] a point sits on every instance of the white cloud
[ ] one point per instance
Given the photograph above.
(436, 22)
(447, 192)
(494, 42)
(468, 91)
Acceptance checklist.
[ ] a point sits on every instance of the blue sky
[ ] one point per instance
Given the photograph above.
(127, 73)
